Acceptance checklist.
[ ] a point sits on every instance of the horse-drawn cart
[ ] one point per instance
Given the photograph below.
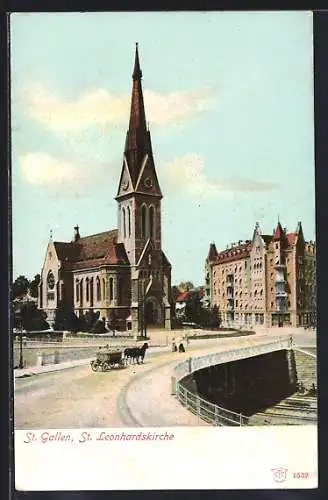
(107, 360)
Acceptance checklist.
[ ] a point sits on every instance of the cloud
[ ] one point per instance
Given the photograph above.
(187, 175)
(101, 107)
(42, 169)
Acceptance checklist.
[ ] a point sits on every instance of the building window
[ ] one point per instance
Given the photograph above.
(151, 222)
(120, 291)
(98, 290)
(77, 291)
(124, 222)
(111, 289)
(129, 221)
(87, 288)
(143, 221)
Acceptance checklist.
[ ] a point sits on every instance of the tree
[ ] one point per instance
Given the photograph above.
(210, 317)
(88, 320)
(99, 326)
(185, 286)
(175, 293)
(193, 307)
(32, 318)
(34, 286)
(20, 286)
(65, 318)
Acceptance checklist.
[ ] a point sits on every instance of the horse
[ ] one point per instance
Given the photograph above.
(142, 352)
(135, 354)
(131, 354)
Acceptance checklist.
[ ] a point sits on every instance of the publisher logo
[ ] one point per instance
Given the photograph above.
(279, 474)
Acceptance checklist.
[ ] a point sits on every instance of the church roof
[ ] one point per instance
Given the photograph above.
(92, 251)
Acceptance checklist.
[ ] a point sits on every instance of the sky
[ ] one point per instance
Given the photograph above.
(229, 100)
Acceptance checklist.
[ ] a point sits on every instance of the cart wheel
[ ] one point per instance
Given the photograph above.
(94, 366)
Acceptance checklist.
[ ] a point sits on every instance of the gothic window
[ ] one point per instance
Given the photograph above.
(87, 289)
(152, 222)
(143, 220)
(103, 288)
(124, 222)
(77, 291)
(120, 291)
(111, 289)
(129, 221)
(91, 291)
(98, 289)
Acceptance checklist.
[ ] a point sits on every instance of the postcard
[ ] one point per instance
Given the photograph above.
(164, 254)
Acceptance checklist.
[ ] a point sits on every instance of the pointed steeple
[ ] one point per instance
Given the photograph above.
(279, 232)
(138, 142)
(212, 253)
(137, 73)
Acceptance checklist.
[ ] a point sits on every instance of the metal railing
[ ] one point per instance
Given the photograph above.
(207, 411)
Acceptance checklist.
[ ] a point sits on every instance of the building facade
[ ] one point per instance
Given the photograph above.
(124, 273)
(269, 280)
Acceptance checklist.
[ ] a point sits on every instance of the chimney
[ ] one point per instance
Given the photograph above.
(76, 233)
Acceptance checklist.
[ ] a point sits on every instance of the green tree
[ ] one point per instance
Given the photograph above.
(99, 326)
(193, 307)
(88, 320)
(32, 318)
(20, 286)
(65, 318)
(175, 292)
(34, 286)
(185, 286)
(210, 317)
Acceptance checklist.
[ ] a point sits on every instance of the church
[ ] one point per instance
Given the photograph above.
(123, 274)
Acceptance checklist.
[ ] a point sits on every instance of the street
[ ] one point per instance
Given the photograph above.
(78, 397)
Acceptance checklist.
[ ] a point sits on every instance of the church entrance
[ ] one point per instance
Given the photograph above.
(151, 312)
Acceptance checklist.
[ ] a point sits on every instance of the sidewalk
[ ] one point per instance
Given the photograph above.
(38, 370)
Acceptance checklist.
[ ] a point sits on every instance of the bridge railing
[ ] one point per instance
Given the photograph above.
(195, 363)
(206, 410)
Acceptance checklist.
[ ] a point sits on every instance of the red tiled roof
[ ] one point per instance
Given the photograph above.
(234, 253)
(291, 237)
(279, 232)
(182, 297)
(91, 251)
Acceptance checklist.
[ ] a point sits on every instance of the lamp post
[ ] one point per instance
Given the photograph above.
(18, 317)
(143, 319)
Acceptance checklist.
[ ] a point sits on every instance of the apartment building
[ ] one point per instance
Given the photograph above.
(268, 280)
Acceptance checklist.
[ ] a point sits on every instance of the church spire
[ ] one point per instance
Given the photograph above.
(137, 143)
(137, 73)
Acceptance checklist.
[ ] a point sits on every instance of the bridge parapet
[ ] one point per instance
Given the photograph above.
(207, 411)
(193, 364)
